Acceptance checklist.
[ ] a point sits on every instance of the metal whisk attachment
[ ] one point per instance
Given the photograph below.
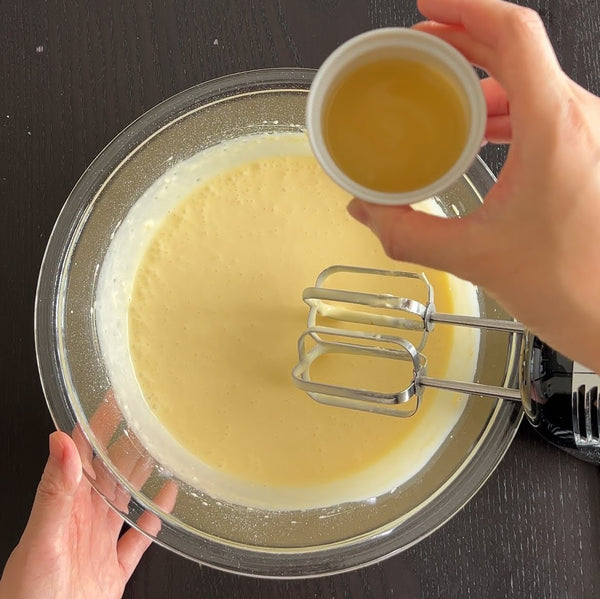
(561, 398)
(390, 312)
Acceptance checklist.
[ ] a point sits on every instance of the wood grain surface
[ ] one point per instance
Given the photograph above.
(73, 74)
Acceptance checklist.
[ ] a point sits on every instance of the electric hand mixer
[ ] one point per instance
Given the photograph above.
(560, 397)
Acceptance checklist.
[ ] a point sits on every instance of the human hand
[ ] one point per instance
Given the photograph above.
(71, 546)
(535, 242)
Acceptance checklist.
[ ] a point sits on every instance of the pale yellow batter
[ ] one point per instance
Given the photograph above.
(213, 320)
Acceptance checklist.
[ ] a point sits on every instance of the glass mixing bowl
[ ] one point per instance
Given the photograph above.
(78, 390)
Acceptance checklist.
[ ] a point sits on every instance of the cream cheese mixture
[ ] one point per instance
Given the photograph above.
(198, 313)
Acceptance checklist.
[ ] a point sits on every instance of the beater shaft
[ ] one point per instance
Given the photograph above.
(509, 326)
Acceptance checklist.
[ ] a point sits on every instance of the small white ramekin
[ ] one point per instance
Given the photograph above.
(396, 42)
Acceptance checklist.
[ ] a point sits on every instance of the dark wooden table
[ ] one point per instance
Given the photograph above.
(73, 74)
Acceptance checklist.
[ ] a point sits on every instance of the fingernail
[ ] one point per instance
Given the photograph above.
(57, 451)
(357, 210)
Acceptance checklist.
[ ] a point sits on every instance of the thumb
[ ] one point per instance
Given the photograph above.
(409, 235)
(55, 495)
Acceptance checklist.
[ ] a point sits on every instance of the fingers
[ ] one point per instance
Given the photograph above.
(498, 128)
(85, 450)
(62, 474)
(103, 423)
(106, 419)
(132, 545)
(508, 41)
(475, 52)
(53, 504)
(495, 97)
(414, 236)
(123, 453)
(137, 473)
(132, 464)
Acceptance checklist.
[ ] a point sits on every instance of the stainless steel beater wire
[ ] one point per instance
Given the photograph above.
(314, 296)
(478, 322)
(475, 388)
(471, 388)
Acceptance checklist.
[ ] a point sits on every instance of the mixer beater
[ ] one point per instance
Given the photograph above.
(560, 397)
